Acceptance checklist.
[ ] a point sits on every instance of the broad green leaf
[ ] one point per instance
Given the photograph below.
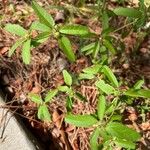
(107, 71)
(87, 76)
(94, 69)
(50, 95)
(101, 107)
(43, 113)
(15, 46)
(75, 29)
(106, 88)
(81, 120)
(66, 47)
(35, 98)
(127, 12)
(44, 16)
(96, 49)
(88, 47)
(15, 29)
(138, 84)
(138, 93)
(26, 55)
(121, 131)
(94, 139)
(67, 77)
(125, 144)
(40, 27)
(109, 46)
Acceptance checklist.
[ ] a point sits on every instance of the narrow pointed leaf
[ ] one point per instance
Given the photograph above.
(107, 71)
(15, 29)
(43, 15)
(75, 30)
(127, 12)
(26, 56)
(101, 107)
(50, 95)
(67, 77)
(66, 47)
(94, 139)
(81, 120)
(35, 98)
(43, 113)
(96, 49)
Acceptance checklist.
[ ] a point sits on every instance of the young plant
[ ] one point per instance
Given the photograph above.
(43, 112)
(46, 27)
(107, 120)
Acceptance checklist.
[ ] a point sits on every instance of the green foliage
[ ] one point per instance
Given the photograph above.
(121, 131)
(44, 17)
(43, 112)
(15, 29)
(127, 12)
(101, 107)
(78, 30)
(66, 47)
(26, 51)
(67, 77)
(81, 120)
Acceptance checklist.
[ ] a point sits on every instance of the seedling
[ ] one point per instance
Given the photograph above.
(43, 112)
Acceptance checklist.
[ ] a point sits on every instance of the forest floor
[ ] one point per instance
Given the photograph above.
(45, 72)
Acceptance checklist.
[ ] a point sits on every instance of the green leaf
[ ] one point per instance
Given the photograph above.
(26, 56)
(66, 47)
(87, 76)
(106, 88)
(121, 131)
(94, 69)
(125, 143)
(15, 46)
(127, 12)
(50, 95)
(43, 113)
(40, 27)
(88, 47)
(44, 17)
(63, 88)
(67, 77)
(101, 107)
(75, 30)
(107, 71)
(138, 84)
(69, 103)
(15, 29)
(81, 120)
(96, 49)
(109, 46)
(138, 93)
(35, 98)
(94, 139)
(105, 20)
